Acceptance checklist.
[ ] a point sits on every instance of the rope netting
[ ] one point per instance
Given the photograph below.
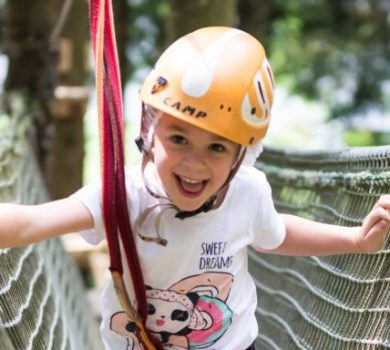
(332, 302)
(42, 299)
(335, 302)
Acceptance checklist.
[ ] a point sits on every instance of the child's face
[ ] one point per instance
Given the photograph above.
(192, 163)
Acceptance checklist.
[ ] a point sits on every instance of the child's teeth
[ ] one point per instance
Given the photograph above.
(190, 180)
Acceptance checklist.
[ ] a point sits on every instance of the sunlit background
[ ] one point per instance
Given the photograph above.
(331, 61)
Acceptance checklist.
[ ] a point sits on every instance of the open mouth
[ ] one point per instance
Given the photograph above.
(190, 187)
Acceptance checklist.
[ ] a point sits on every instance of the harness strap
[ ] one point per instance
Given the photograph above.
(114, 198)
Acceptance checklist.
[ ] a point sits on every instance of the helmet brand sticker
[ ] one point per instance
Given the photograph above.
(184, 108)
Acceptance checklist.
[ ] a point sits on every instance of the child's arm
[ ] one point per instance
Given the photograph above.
(24, 224)
(305, 237)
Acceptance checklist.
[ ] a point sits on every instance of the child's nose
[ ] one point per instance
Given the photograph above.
(195, 159)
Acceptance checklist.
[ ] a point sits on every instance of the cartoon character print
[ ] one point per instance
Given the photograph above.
(191, 314)
(121, 324)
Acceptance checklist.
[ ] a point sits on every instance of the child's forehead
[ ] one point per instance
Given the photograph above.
(175, 124)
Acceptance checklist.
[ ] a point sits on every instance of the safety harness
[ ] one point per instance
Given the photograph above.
(114, 200)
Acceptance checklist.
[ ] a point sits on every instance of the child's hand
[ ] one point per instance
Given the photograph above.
(372, 234)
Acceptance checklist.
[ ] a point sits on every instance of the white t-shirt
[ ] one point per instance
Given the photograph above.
(199, 291)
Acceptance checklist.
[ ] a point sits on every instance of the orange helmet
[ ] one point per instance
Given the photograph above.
(218, 79)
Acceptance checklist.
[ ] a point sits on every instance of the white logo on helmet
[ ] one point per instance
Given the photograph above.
(248, 111)
(199, 76)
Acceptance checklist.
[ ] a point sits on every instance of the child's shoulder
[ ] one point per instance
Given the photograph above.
(133, 175)
(250, 176)
(136, 178)
(250, 180)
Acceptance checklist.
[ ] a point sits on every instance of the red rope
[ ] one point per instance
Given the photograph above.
(111, 129)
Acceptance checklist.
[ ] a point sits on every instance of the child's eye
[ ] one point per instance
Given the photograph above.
(178, 139)
(217, 147)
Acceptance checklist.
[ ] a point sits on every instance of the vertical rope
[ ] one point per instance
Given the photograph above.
(111, 129)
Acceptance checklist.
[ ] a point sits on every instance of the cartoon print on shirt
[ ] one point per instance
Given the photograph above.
(191, 314)
(121, 324)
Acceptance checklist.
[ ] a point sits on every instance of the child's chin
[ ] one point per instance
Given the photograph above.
(188, 207)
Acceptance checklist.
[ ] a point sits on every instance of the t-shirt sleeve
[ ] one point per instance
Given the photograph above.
(90, 196)
(270, 228)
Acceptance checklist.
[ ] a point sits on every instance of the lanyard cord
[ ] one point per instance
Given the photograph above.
(115, 210)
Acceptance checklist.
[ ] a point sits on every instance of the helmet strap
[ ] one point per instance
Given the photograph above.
(223, 190)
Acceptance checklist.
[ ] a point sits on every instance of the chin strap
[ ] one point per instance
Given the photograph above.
(114, 198)
(203, 209)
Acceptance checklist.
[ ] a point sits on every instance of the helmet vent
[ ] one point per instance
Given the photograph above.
(270, 75)
(261, 92)
(229, 109)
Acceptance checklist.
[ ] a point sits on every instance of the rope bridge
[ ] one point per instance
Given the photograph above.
(42, 299)
(332, 302)
(338, 302)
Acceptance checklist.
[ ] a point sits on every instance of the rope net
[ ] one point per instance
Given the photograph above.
(42, 301)
(336, 302)
(332, 302)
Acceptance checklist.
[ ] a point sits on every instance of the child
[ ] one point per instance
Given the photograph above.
(196, 203)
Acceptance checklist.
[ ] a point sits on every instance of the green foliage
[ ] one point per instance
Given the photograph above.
(2, 6)
(358, 138)
(147, 31)
(329, 50)
(336, 51)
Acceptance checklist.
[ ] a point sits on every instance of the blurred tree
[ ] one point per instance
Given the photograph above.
(156, 23)
(328, 50)
(146, 32)
(32, 61)
(335, 51)
(65, 158)
(255, 18)
(186, 16)
(28, 44)
(37, 66)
